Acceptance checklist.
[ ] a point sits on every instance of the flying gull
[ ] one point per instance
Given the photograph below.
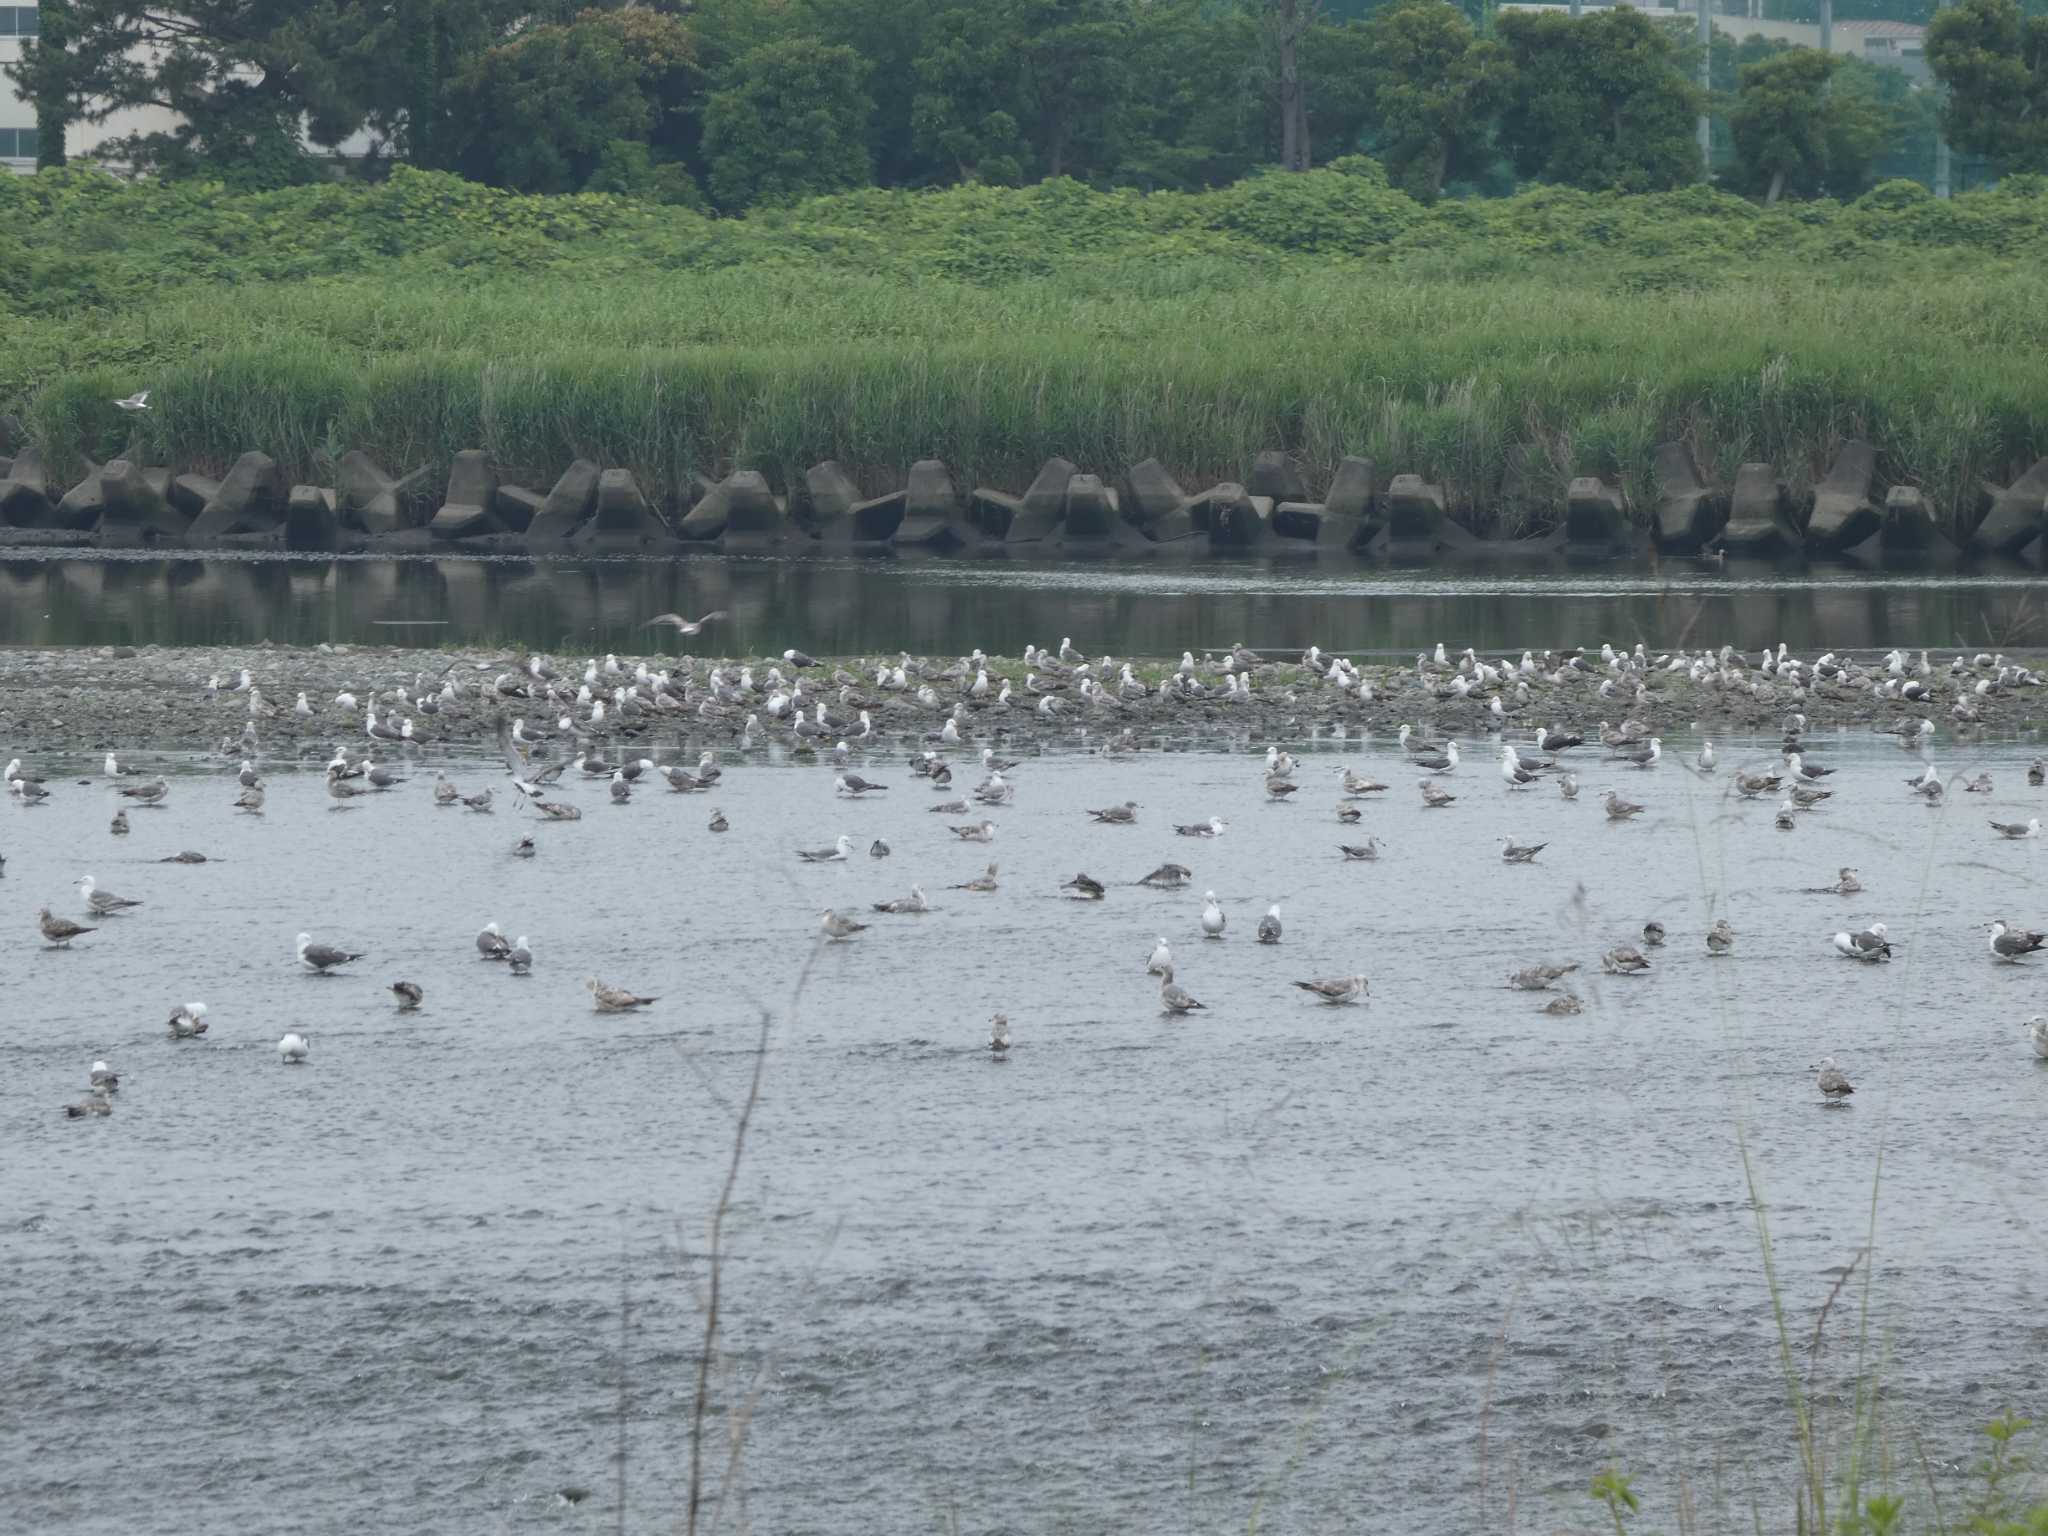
(1434, 798)
(321, 959)
(683, 626)
(1336, 989)
(139, 401)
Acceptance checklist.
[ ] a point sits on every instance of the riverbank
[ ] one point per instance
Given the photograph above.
(1495, 349)
(71, 701)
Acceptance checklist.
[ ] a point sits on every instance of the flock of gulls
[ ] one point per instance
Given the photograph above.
(952, 716)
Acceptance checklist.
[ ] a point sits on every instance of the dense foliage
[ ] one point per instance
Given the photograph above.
(1553, 332)
(732, 103)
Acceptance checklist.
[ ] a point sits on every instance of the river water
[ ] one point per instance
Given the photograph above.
(1154, 605)
(1426, 1264)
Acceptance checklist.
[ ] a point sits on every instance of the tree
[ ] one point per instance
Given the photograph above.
(544, 112)
(1013, 90)
(247, 78)
(1435, 86)
(1994, 61)
(1289, 19)
(1598, 102)
(1193, 113)
(790, 123)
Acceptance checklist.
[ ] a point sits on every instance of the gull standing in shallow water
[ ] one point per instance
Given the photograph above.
(1720, 938)
(836, 854)
(188, 1022)
(999, 1035)
(102, 903)
(1624, 960)
(835, 927)
(1214, 919)
(1269, 925)
(1174, 998)
(1512, 852)
(1834, 1086)
(1336, 989)
(58, 932)
(293, 1049)
(1162, 958)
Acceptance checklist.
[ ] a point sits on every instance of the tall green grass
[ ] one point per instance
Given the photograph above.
(1500, 347)
(778, 369)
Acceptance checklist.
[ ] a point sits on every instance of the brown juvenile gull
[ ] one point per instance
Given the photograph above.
(1750, 785)
(835, 927)
(1350, 815)
(949, 808)
(151, 793)
(1174, 998)
(1280, 789)
(1624, 960)
(408, 994)
(1512, 852)
(1434, 798)
(187, 856)
(1653, 934)
(92, 1105)
(1563, 1006)
(1805, 797)
(58, 932)
(102, 903)
(555, 810)
(609, 999)
(2013, 944)
(1720, 938)
(999, 1034)
(1834, 1086)
(250, 801)
(1355, 786)
(1619, 809)
(1086, 887)
(718, 823)
(1336, 989)
(1168, 877)
(986, 881)
(341, 791)
(1118, 815)
(1537, 978)
(321, 959)
(119, 825)
(1846, 884)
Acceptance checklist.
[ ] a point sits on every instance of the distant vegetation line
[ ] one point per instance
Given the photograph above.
(1500, 347)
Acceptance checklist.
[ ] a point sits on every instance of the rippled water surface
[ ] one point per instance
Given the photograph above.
(1397, 1266)
(1154, 604)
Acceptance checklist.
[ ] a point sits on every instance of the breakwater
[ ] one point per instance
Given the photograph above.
(593, 510)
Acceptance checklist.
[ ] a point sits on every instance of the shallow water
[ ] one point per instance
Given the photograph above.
(1155, 605)
(1407, 1263)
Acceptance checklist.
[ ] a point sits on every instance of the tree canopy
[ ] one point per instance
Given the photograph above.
(1994, 60)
